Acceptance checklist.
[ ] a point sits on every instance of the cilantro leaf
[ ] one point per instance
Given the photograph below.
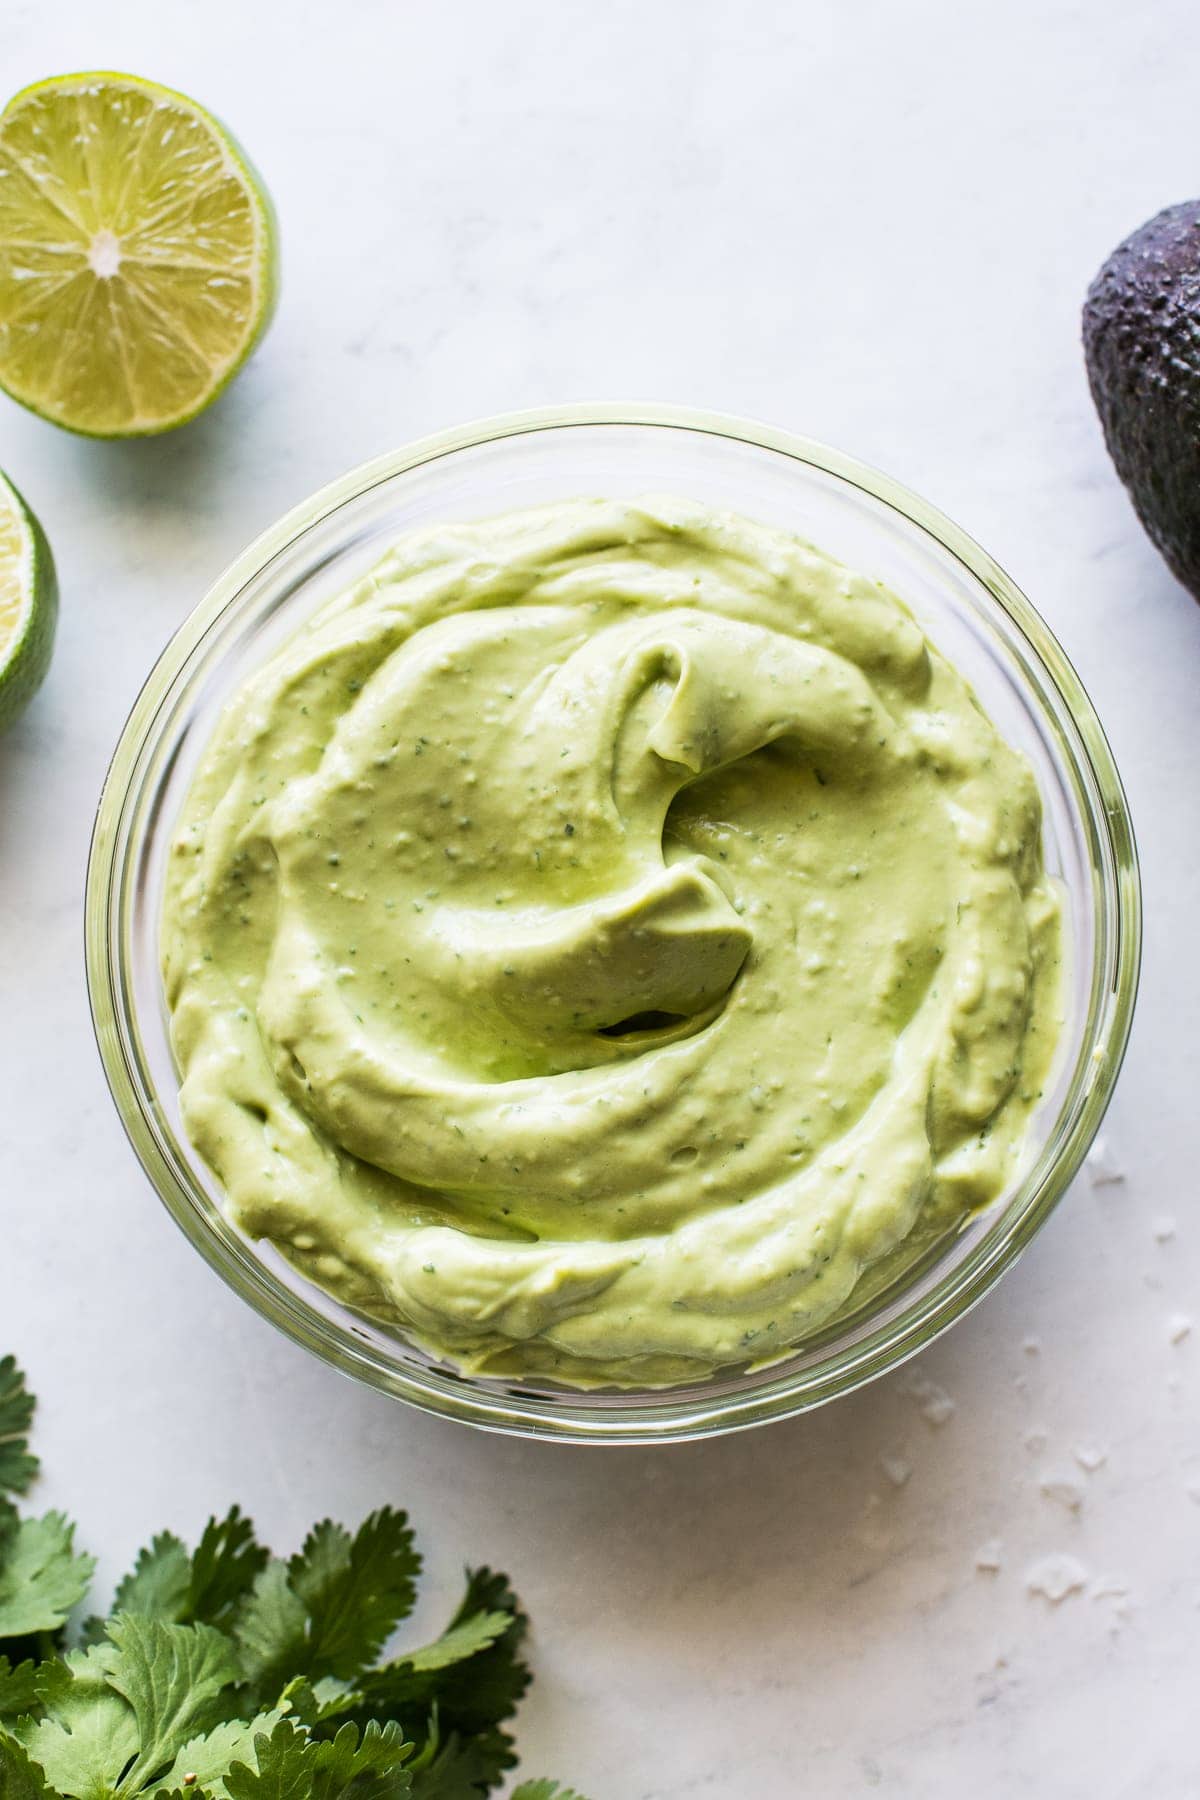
(170, 1675)
(328, 1612)
(454, 1694)
(270, 1632)
(290, 1765)
(225, 1674)
(544, 1790)
(450, 1695)
(474, 1697)
(157, 1585)
(41, 1577)
(456, 1770)
(313, 1703)
(484, 1635)
(168, 1583)
(18, 1689)
(88, 1735)
(20, 1779)
(227, 1561)
(17, 1466)
(404, 1685)
(459, 1641)
(355, 1590)
(204, 1761)
(117, 1715)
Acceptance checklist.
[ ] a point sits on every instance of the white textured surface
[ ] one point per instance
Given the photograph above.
(873, 223)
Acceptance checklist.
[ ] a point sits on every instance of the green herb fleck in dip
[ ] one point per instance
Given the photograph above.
(607, 942)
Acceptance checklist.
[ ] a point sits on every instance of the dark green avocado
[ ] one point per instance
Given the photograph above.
(1141, 337)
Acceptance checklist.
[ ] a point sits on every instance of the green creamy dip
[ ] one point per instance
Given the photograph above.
(608, 942)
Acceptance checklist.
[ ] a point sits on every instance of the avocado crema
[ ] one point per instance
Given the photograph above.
(608, 942)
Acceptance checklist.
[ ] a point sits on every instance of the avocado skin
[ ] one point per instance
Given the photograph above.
(1141, 338)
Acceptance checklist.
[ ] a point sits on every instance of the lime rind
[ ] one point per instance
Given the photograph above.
(261, 265)
(26, 638)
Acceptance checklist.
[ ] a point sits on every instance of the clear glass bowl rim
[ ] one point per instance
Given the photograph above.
(679, 1413)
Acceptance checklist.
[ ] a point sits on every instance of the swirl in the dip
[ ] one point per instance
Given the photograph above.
(602, 936)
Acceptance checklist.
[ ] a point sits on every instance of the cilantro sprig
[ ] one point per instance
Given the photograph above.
(227, 1673)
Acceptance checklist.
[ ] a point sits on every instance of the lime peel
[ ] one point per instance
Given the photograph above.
(28, 604)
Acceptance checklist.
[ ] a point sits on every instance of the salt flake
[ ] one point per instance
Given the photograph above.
(1063, 1492)
(896, 1468)
(1056, 1577)
(1101, 1165)
(1089, 1457)
(933, 1402)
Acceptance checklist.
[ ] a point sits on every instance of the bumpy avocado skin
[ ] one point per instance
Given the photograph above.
(1141, 336)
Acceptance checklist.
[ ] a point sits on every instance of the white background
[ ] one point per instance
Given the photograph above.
(870, 221)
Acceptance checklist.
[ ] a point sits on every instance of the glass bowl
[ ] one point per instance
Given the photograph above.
(967, 606)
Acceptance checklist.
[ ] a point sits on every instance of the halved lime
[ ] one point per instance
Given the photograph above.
(28, 604)
(138, 255)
